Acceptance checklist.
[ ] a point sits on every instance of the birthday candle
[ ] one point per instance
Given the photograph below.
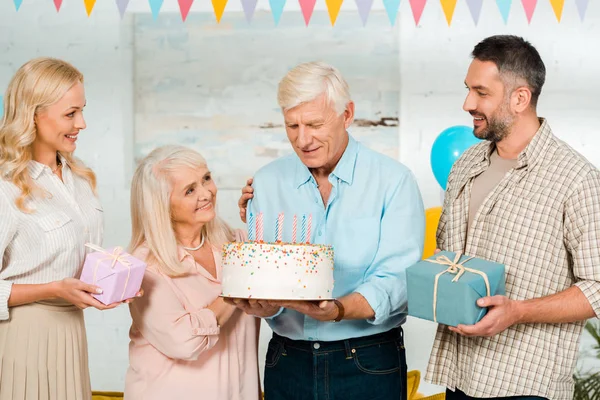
(259, 227)
(251, 227)
(277, 228)
(280, 227)
(303, 229)
(308, 229)
(294, 228)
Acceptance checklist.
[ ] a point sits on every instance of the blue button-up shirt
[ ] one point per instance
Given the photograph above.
(374, 219)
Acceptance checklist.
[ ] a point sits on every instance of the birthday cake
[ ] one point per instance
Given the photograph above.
(277, 270)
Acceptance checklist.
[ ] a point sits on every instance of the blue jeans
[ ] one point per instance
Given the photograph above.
(371, 367)
(458, 395)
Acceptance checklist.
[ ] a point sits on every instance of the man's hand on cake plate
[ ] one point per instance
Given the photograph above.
(325, 310)
(247, 194)
(258, 308)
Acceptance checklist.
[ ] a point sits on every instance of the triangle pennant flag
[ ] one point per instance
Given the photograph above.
(219, 7)
(184, 8)
(364, 8)
(475, 9)
(57, 4)
(417, 7)
(249, 6)
(333, 7)
(529, 6)
(391, 7)
(307, 7)
(277, 9)
(449, 6)
(155, 6)
(89, 6)
(122, 6)
(557, 6)
(504, 7)
(18, 4)
(582, 7)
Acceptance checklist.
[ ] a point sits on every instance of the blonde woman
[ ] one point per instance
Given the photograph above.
(186, 342)
(48, 210)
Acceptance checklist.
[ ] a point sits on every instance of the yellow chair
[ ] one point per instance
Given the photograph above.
(413, 379)
(107, 396)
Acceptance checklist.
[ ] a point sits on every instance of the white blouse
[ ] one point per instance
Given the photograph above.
(48, 244)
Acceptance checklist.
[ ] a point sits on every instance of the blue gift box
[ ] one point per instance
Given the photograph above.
(460, 283)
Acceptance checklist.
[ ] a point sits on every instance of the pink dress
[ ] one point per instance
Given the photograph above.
(177, 350)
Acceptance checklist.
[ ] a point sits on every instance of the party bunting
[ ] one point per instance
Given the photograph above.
(277, 9)
(448, 6)
(122, 6)
(89, 6)
(219, 7)
(333, 6)
(504, 7)
(392, 6)
(581, 7)
(529, 6)
(417, 7)
(475, 9)
(155, 6)
(557, 6)
(184, 8)
(249, 6)
(364, 8)
(307, 7)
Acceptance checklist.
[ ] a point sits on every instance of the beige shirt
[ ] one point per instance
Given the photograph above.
(542, 221)
(48, 244)
(177, 348)
(484, 184)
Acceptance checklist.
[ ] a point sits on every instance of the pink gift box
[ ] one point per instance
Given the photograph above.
(118, 273)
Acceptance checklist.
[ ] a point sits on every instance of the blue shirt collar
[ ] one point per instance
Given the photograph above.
(344, 169)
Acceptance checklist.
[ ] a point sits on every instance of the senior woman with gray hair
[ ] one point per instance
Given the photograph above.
(186, 342)
(367, 206)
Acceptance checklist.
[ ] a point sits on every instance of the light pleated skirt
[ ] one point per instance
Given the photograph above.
(43, 354)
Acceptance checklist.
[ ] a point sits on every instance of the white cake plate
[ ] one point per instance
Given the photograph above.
(276, 299)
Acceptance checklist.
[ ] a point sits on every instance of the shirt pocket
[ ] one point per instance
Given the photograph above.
(58, 236)
(356, 242)
(54, 222)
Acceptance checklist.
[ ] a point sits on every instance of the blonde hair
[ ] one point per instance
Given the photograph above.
(151, 208)
(38, 84)
(308, 81)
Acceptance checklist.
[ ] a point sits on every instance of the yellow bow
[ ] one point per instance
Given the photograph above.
(457, 268)
(116, 256)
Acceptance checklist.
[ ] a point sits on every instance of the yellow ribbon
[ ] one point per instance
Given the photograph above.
(116, 256)
(457, 268)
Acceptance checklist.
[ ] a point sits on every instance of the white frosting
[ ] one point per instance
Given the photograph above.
(291, 271)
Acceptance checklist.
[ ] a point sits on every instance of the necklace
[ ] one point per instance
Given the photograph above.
(58, 165)
(195, 248)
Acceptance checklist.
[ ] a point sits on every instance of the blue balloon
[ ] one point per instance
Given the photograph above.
(447, 148)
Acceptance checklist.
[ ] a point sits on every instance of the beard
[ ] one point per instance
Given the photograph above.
(497, 126)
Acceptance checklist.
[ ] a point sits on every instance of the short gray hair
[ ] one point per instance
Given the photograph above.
(307, 81)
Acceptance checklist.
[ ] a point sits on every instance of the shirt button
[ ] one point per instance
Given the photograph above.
(317, 346)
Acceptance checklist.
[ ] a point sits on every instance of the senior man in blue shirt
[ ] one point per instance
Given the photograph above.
(369, 208)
